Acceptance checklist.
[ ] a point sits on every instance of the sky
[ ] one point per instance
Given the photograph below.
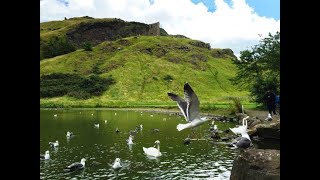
(234, 24)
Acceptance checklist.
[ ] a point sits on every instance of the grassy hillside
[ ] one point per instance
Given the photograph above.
(145, 68)
(62, 37)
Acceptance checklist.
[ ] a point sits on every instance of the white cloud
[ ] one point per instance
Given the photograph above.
(236, 26)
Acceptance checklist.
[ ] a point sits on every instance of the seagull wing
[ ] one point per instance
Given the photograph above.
(192, 103)
(182, 104)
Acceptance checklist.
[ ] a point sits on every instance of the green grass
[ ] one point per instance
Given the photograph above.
(59, 28)
(139, 66)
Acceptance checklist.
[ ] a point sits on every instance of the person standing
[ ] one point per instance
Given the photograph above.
(270, 100)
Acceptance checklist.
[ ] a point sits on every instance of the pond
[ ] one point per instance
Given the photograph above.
(203, 158)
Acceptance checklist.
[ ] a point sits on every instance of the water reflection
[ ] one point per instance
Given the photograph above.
(200, 159)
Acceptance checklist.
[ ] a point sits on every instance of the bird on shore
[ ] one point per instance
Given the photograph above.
(189, 108)
(244, 141)
(75, 166)
(240, 129)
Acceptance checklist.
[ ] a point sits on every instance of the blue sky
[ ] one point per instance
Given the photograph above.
(268, 8)
(233, 24)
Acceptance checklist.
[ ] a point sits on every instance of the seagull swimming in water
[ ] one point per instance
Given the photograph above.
(75, 166)
(69, 134)
(96, 125)
(45, 156)
(116, 164)
(54, 144)
(130, 140)
(189, 108)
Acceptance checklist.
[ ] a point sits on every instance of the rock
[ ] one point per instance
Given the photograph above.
(256, 164)
(271, 130)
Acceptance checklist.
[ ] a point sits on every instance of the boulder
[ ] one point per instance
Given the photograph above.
(269, 130)
(256, 164)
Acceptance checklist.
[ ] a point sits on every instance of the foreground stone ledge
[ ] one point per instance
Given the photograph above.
(256, 164)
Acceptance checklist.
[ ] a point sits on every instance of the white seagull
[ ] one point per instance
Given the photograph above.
(116, 164)
(189, 108)
(45, 156)
(130, 140)
(54, 144)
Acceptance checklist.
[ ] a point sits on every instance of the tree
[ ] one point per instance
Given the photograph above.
(259, 68)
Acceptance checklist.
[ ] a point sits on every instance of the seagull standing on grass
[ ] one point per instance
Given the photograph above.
(189, 108)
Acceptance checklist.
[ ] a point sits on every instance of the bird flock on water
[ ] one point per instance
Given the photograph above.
(189, 107)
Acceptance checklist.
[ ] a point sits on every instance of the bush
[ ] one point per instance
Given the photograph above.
(73, 85)
(235, 105)
(56, 46)
(87, 46)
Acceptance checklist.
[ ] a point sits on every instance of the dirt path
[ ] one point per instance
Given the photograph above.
(262, 115)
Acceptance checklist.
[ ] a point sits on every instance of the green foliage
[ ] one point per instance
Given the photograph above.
(235, 105)
(87, 46)
(168, 78)
(143, 77)
(259, 68)
(73, 85)
(56, 46)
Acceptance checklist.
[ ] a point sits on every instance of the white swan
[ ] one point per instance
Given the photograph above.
(151, 151)
(116, 164)
(189, 108)
(241, 129)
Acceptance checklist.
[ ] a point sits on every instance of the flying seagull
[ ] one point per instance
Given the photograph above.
(75, 166)
(189, 108)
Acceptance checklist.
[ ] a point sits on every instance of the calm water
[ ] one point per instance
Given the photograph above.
(202, 159)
